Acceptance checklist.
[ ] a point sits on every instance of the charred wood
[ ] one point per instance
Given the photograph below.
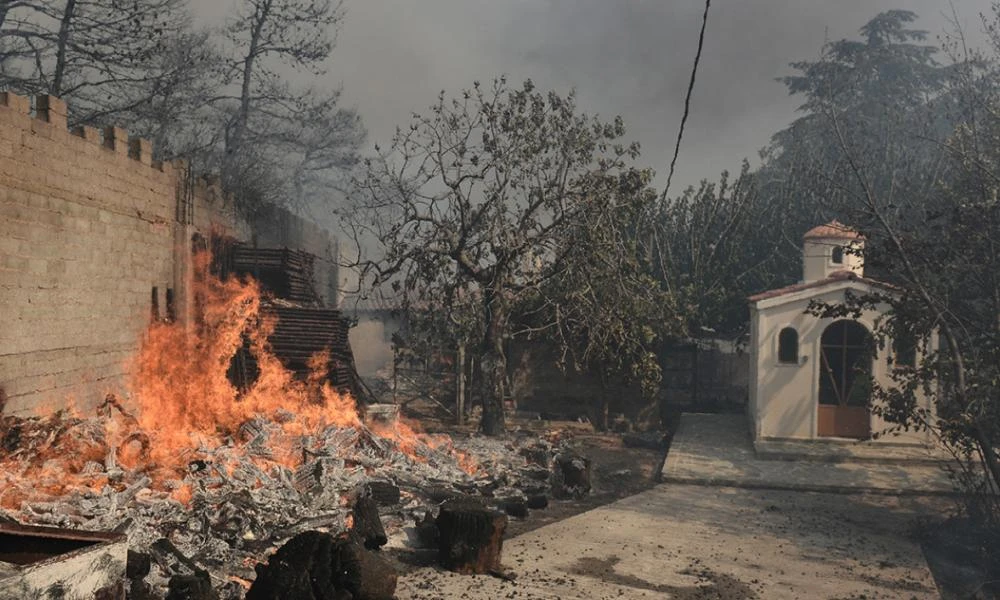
(368, 529)
(571, 476)
(385, 493)
(471, 537)
(191, 587)
(317, 566)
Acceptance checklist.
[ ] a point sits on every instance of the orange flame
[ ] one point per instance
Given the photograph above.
(182, 393)
(182, 405)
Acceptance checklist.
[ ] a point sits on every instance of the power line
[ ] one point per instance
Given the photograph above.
(687, 99)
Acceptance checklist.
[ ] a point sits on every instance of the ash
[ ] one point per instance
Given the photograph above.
(240, 500)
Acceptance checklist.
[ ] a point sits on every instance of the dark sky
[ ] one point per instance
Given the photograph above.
(627, 57)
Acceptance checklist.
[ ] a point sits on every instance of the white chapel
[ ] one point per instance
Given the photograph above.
(809, 375)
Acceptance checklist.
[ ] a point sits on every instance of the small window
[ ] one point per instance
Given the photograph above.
(837, 256)
(904, 352)
(171, 306)
(155, 305)
(788, 346)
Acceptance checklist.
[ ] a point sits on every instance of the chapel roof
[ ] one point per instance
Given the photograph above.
(834, 277)
(834, 230)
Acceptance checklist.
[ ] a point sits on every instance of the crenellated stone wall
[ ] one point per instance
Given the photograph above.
(93, 235)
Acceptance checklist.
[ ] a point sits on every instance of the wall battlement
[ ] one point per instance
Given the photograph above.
(48, 120)
(95, 241)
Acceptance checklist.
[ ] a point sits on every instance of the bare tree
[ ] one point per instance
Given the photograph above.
(83, 50)
(276, 130)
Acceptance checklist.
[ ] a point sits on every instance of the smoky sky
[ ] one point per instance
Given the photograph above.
(624, 57)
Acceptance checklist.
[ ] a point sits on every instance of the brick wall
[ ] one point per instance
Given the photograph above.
(89, 225)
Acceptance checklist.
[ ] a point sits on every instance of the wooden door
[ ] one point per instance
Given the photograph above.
(845, 381)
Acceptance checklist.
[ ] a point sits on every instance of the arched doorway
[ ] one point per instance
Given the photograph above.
(845, 381)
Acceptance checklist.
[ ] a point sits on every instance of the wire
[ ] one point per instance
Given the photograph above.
(687, 99)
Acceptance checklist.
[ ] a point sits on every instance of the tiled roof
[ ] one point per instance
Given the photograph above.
(833, 278)
(834, 230)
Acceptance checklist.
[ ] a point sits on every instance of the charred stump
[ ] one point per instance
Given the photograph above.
(378, 577)
(571, 476)
(368, 529)
(537, 501)
(317, 566)
(471, 537)
(426, 530)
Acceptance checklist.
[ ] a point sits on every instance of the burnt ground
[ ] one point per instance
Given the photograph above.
(949, 546)
(617, 471)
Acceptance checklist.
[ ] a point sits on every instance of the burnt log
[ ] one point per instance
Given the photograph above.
(426, 530)
(137, 565)
(512, 501)
(191, 587)
(537, 501)
(440, 493)
(535, 472)
(536, 455)
(385, 493)
(571, 476)
(317, 566)
(471, 537)
(367, 528)
(515, 507)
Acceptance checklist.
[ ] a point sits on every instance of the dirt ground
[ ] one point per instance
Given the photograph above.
(620, 472)
(617, 472)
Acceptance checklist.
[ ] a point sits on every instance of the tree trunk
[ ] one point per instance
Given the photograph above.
(62, 41)
(492, 373)
(460, 384)
(235, 141)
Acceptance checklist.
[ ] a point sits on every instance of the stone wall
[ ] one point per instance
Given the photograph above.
(93, 234)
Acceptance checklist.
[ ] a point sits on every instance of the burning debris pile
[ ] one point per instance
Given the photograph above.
(208, 480)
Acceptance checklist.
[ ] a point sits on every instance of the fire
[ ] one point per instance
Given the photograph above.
(181, 392)
(181, 405)
(410, 441)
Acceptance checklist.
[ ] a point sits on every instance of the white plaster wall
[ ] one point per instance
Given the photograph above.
(817, 259)
(785, 396)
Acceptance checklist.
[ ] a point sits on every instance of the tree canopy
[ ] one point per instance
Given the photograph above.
(498, 199)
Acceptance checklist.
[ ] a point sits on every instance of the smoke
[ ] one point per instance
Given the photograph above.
(627, 57)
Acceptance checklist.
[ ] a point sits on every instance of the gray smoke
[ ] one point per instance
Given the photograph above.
(627, 57)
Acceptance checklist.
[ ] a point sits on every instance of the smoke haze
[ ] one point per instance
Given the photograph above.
(627, 57)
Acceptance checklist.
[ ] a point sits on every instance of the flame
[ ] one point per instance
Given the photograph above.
(181, 405)
(410, 440)
(182, 394)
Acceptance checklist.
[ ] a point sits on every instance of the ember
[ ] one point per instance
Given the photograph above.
(209, 479)
(221, 474)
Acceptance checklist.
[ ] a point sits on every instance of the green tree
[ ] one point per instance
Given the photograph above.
(879, 100)
(709, 255)
(915, 165)
(483, 201)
